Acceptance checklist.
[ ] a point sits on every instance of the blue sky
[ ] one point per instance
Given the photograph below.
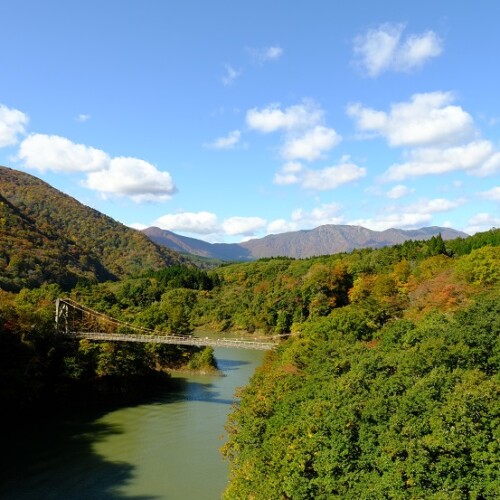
(228, 120)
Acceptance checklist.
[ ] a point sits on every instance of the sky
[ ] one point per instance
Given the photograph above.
(230, 120)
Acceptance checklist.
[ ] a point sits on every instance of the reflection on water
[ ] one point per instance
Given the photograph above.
(164, 448)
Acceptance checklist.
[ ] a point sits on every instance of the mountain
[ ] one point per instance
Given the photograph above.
(222, 251)
(323, 240)
(49, 237)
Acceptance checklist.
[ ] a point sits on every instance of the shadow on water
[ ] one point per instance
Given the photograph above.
(53, 457)
(231, 364)
(195, 391)
(32, 467)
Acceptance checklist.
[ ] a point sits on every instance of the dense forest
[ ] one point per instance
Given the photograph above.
(49, 237)
(386, 387)
(389, 389)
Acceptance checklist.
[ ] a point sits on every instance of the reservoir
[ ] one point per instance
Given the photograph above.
(164, 448)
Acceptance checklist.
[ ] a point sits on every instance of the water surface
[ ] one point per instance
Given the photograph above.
(163, 448)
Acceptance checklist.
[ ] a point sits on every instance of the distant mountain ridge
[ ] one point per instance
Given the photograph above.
(323, 240)
(47, 236)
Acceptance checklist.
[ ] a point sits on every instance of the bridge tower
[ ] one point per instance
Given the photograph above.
(62, 313)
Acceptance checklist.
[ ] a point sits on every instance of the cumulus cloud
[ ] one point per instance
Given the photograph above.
(385, 49)
(273, 118)
(208, 225)
(320, 179)
(327, 213)
(58, 154)
(477, 158)
(425, 120)
(311, 145)
(492, 194)
(281, 226)
(441, 137)
(399, 191)
(289, 174)
(246, 226)
(134, 178)
(410, 216)
(332, 177)
(230, 75)
(12, 124)
(191, 222)
(304, 135)
(227, 142)
(482, 222)
(395, 220)
(433, 206)
(120, 176)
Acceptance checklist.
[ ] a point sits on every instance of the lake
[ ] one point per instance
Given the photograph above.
(164, 448)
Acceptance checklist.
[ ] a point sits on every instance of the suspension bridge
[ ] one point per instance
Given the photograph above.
(79, 321)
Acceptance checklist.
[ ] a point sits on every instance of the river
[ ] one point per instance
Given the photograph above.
(163, 448)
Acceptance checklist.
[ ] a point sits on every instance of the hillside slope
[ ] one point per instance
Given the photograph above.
(193, 246)
(49, 237)
(330, 239)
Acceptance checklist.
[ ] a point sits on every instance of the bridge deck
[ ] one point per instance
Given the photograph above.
(175, 339)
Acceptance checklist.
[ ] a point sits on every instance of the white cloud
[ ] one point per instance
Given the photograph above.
(273, 118)
(231, 75)
(490, 167)
(311, 145)
(281, 226)
(477, 157)
(289, 174)
(322, 179)
(395, 220)
(266, 54)
(417, 49)
(435, 205)
(384, 49)
(399, 191)
(197, 223)
(327, 213)
(246, 226)
(273, 52)
(332, 177)
(207, 224)
(227, 142)
(427, 119)
(82, 118)
(410, 216)
(12, 123)
(482, 222)
(137, 225)
(119, 176)
(492, 194)
(134, 178)
(52, 152)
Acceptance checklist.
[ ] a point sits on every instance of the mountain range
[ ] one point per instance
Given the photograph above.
(323, 240)
(47, 236)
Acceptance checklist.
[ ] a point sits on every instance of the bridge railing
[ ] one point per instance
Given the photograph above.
(80, 321)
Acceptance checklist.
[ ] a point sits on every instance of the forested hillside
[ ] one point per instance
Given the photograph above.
(386, 387)
(49, 237)
(395, 394)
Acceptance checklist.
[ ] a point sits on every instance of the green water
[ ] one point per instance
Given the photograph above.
(165, 448)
